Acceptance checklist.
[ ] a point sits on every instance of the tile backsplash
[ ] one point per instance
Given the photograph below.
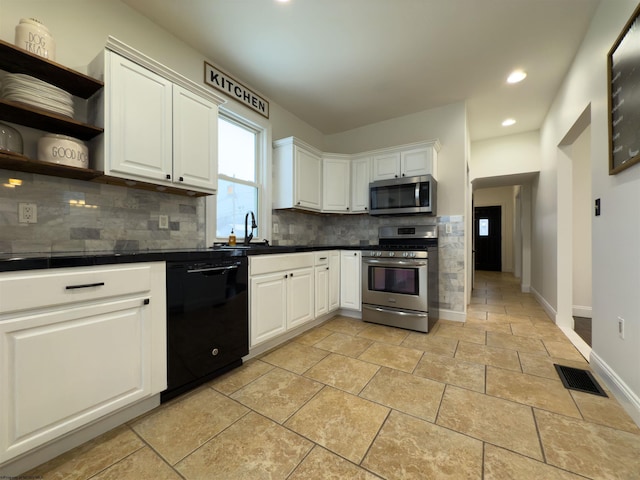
(74, 215)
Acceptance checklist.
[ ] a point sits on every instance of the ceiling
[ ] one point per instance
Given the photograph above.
(342, 64)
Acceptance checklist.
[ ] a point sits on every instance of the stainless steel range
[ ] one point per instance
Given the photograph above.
(400, 278)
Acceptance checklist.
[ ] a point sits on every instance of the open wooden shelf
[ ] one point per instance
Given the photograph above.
(15, 161)
(17, 60)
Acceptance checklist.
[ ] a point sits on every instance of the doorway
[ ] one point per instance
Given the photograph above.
(488, 238)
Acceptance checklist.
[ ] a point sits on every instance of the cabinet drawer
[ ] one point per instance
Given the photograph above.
(322, 258)
(47, 288)
(277, 263)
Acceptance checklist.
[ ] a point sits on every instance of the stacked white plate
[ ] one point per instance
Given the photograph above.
(18, 87)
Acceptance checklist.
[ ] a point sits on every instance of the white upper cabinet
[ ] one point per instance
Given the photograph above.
(336, 183)
(297, 175)
(407, 161)
(360, 178)
(160, 128)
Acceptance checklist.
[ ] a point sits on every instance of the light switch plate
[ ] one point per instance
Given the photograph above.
(163, 222)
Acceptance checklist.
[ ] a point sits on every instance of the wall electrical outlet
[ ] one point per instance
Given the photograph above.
(621, 327)
(27, 213)
(276, 228)
(448, 228)
(163, 222)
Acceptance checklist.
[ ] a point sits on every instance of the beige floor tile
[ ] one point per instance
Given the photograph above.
(345, 373)
(253, 448)
(321, 464)
(180, 427)
(479, 314)
(277, 394)
(340, 422)
(514, 342)
(431, 343)
(542, 366)
(604, 411)
(531, 390)
(347, 325)
(393, 356)
(239, 377)
(295, 357)
(589, 449)
(487, 308)
(503, 317)
(408, 448)
(452, 371)
(483, 354)
(494, 420)
(344, 344)
(381, 333)
(501, 464)
(460, 333)
(407, 393)
(142, 464)
(313, 336)
(90, 458)
(540, 330)
(488, 326)
(563, 350)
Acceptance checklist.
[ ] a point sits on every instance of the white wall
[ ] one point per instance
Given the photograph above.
(582, 212)
(616, 233)
(503, 197)
(508, 155)
(80, 29)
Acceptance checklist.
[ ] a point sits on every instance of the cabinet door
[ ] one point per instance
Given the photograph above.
(138, 122)
(300, 297)
(334, 280)
(67, 367)
(416, 162)
(308, 180)
(360, 178)
(268, 306)
(336, 185)
(386, 166)
(322, 290)
(195, 141)
(350, 284)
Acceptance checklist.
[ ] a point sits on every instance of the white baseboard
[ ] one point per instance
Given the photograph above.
(452, 315)
(525, 288)
(550, 311)
(582, 311)
(627, 398)
(578, 342)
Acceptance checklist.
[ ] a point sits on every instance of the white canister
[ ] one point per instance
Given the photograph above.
(34, 37)
(64, 150)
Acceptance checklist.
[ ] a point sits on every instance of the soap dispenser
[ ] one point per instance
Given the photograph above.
(232, 238)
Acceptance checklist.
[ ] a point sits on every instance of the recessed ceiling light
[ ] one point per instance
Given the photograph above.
(508, 122)
(282, 1)
(516, 76)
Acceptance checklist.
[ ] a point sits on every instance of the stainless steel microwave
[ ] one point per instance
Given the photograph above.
(403, 196)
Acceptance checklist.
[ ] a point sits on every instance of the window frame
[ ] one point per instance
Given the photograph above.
(243, 117)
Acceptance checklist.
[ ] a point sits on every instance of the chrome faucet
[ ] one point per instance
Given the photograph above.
(249, 236)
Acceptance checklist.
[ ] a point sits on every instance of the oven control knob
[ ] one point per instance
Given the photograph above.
(392, 254)
(412, 254)
(405, 254)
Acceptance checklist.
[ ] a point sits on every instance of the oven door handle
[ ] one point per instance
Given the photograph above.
(395, 312)
(395, 263)
(213, 269)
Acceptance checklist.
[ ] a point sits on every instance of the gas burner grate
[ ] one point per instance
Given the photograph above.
(578, 379)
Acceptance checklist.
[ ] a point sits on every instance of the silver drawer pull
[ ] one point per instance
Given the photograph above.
(86, 285)
(213, 269)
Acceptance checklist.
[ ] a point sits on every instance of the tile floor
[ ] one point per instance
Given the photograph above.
(350, 400)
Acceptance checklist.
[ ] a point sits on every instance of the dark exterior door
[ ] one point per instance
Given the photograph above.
(488, 238)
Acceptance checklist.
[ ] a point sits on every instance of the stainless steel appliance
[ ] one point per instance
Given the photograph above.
(404, 195)
(207, 320)
(400, 278)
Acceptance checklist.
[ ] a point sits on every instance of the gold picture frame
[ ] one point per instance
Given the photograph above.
(623, 80)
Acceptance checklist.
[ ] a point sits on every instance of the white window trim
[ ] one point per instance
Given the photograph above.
(262, 126)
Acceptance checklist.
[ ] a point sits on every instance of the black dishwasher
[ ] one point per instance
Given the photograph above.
(207, 320)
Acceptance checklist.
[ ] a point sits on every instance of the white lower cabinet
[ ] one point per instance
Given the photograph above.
(91, 342)
(334, 280)
(282, 290)
(350, 280)
(322, 283)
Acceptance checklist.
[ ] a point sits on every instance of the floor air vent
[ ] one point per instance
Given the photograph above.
(578, 379)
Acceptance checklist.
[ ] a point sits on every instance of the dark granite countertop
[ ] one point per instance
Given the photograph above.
(40, 260)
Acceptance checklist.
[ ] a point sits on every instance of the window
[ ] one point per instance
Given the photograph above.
(238, 179)
(483, 227)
